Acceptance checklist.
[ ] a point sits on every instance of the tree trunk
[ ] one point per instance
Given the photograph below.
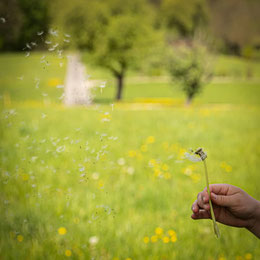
(189, 99)
(120, 85)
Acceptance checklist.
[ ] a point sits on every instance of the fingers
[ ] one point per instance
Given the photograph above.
(222, 200)
(223, 189)
(203, 200)
(201, 214)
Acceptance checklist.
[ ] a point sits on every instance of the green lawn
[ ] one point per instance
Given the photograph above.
(68, 177)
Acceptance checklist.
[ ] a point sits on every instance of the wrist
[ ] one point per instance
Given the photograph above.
(254, 225)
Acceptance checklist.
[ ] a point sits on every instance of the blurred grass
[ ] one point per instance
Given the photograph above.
(69, 169)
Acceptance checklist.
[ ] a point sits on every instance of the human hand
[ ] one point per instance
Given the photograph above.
(232, 206)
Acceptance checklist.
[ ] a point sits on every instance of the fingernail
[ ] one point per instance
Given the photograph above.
(214, 196)
(204, 199)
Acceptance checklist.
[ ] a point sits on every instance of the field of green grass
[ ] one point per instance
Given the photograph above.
(76, 186)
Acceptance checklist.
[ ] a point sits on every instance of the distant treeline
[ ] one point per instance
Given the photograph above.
(231, 25)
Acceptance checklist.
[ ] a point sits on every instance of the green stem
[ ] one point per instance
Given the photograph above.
(215, 226)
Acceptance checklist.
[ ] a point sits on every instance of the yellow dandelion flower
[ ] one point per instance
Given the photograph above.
(158, 231)
(143, 148)
(248, 256)
(181, 153)
(132, 153)
(195, 177)
(100, 184)
(165, 167)
(76, 220)
(68, 252)
(222, 258)
(20, 238)
(25, 177)
(173, 238)
(62, 230)
(167, 175)
(54, 82)
(152, 162)
(154, 239)
(150, 139)
(166, 240)
(228, 168)
(223, 165)
(146, 240)
(157, 172)
(128, 258)
(165, 145)
(172, 232)
(187, 171)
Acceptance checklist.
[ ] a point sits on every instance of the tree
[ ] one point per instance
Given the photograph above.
(183, 17)
(81, 19)
(189, 67)
(127, 40)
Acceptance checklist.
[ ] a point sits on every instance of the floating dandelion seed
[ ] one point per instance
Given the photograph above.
(3, 20)
(48, 42)
(93, 240)
(53, 32)
(103, 85)
(67, 35)
(40, 33)
(27, 54)
(28, 46)
(203, 157)
(66, 40)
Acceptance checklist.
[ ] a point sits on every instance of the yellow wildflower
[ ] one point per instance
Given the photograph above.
(143, 148)
(172, 232)
(228, 168)
(20, 238)
(25, 177)
(76, 220)
(152, 162)
(158, 231)
(154, 239)
(100, 184)
(128, 258)
(248, 256)
(239, 257)
(166, 240)
(146, 240)
(165, 145)
(195, 177)
(165, 167)
(62, 230)
(131, 153)
(68, 253)
(150, 139)
(173, 238)
(157, 172)
(54, 82)
(167, 175)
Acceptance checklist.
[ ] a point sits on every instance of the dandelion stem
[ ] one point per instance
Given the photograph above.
(215, 226)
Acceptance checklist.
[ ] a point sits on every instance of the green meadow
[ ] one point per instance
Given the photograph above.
(109, 181)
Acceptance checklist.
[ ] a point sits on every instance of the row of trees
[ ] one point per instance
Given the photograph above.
(123, 35)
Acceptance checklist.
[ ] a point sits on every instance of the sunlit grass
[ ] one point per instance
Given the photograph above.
(75, 187)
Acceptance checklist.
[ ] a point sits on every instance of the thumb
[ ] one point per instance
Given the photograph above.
(220, 200)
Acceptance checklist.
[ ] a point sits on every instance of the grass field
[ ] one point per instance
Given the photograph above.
(74, 185)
